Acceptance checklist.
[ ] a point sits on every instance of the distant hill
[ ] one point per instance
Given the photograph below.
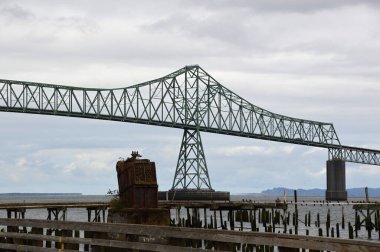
(352, 192)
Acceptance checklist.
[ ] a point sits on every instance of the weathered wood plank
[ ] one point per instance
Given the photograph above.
(29, 248)
(105, 243)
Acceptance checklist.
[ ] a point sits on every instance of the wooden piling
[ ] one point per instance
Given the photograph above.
(294, 219)
(357, 223)
(288, 219)
(259, 215)
(205, 217)
(350, 231)
(241, 220)
(337, 230)
(232, 220)
(318, 220)
(188, 216)
(368, 225)
(328, 222)
(253, 222)
(221, 218)
(305, 220)
(296, 206)
(215, 221)
(320, 232)
(179, 215)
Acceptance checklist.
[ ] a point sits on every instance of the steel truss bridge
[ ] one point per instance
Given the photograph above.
(188, 98)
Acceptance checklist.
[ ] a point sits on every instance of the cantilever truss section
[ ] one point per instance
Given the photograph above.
(188, 98)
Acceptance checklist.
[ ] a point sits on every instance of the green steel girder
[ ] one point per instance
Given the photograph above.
(188, 98)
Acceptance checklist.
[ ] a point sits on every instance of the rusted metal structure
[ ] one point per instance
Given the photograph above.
(137, 182)
(138, 191)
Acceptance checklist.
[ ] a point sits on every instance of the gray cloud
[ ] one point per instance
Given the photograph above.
(14, 12)
(292, 6)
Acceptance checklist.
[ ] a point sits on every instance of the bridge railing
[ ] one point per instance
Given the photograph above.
(41, 235)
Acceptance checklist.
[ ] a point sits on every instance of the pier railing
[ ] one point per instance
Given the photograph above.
(43, 235)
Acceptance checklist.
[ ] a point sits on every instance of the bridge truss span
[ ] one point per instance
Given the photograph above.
(188, 98)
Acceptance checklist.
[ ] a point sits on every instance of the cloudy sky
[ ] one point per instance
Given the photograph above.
(315, 60)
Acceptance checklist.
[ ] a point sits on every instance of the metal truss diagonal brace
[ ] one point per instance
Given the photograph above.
(191, 171)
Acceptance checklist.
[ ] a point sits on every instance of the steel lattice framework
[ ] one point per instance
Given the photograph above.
(188, 98)
(191, 166)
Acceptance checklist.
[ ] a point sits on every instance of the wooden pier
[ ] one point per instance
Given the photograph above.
(243, 216)
(165, 204)
(58, 211)
(19, 209)
(370, 212)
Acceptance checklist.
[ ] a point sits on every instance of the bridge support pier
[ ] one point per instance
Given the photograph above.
(336, 180)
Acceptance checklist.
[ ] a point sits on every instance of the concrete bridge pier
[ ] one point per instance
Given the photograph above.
(336, 180)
